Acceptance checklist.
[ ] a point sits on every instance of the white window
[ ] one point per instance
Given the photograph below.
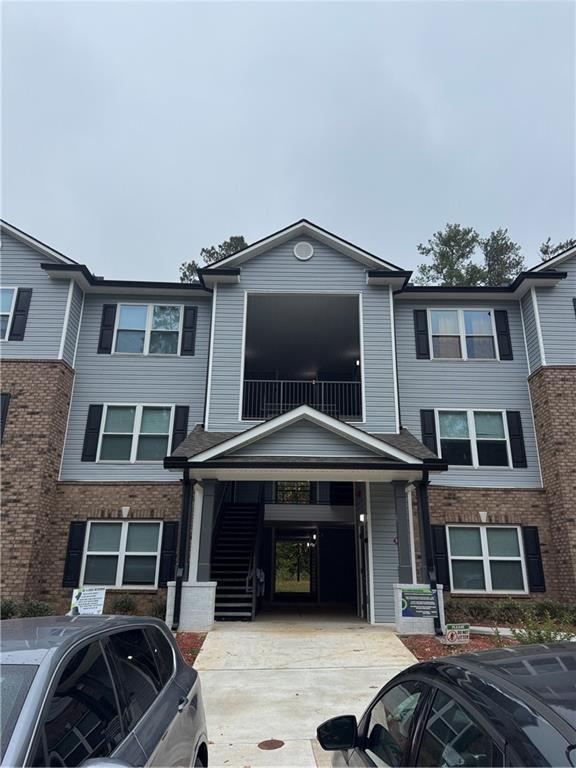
(474, 438)
(7, 301)
(486, 559)
(135, 432)
(122, 554)
(148, 329)
(462, 334)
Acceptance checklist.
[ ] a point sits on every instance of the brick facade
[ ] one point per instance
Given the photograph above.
(502, 506)
(553, 393)
(31, 452)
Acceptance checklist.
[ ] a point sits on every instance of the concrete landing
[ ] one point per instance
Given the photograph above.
(279, 679)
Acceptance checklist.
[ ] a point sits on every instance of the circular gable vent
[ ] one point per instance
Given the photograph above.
(303, 251)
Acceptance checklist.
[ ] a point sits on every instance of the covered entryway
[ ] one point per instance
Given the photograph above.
(277, 679)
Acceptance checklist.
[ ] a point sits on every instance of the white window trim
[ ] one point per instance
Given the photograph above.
(486, 558)
(12, 307)
(472, 436)
(148, 328)
(121, 554)
(135, 432)
(462, 333)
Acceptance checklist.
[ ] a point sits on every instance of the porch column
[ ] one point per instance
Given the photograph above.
(425, 529)
(206, 530)
(405, 575)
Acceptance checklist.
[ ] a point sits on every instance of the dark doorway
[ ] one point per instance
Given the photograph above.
(295, 565)
(337, 566)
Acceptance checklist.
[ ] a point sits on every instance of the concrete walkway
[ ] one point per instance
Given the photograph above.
(279, 678)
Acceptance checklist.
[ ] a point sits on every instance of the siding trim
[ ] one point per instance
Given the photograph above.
(66, 320)
(394, 364)
(525, 338)
(370, 552)
(362, 357)
(242, 356)
(538, 325)
(210, 359)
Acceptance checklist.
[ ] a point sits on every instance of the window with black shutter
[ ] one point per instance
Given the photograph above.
(4, 412)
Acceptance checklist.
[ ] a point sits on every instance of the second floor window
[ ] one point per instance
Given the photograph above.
(474, 438)
(462, 334)
(293, 492)
(7, 297)
(148, 329)
(135, 432)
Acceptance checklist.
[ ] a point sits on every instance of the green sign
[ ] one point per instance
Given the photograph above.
(419, 602)
(457, 633)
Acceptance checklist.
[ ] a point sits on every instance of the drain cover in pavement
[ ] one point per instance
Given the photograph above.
(271, 744)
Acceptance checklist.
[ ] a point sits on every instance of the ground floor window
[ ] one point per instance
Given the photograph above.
(122, 554)
(486, 558)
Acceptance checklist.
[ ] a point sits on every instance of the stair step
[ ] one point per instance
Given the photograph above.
(226, 616)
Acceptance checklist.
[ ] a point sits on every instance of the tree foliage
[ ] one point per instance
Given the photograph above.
(548, 249)
(460, 256)
(189, 269)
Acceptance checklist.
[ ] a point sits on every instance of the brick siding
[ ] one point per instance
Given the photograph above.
(553, 393)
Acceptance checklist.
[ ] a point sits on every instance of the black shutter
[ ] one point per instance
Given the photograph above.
(421, 334)
(428, 426)
(92, 432)
(440, 548)
(503, 334)
(189, 331)
(4, 412)
(74, 550)
(516, 439)
(20, 316)
(180, 428)
(107, 329)
(534, 569)
(168, 554)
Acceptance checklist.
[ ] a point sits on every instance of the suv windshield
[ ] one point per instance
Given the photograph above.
(15, 680)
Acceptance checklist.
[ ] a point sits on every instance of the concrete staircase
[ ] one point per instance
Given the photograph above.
(233, 556)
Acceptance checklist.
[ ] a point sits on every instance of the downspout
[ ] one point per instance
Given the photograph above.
(424, 510)
(183, 550)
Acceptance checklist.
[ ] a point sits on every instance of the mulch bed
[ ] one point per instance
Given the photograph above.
(426, 647)
(190, 644)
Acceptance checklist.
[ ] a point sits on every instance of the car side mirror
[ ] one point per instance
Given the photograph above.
(338, 733)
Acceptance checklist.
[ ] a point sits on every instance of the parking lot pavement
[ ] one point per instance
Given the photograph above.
(276, 679)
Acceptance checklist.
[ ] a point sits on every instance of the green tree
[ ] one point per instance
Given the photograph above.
(502, 258)
(189, 269)
(459, 256)
(548, 249)
(451, 251)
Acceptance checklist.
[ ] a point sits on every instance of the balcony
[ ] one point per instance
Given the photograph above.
(263, 399)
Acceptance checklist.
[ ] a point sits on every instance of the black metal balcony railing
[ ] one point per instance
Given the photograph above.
(264, 399)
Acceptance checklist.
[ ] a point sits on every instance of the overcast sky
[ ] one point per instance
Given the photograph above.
(134, 133)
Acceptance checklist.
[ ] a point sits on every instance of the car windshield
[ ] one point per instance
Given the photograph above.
(15, 681)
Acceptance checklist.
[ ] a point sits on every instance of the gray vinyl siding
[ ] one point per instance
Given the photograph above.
(558, 317)
(531, 332)
(474, 384)
(308, 513)
(384, 550)
(131, 379)
(20, 268)
(304, 439)
(73, 324)
(279, 270)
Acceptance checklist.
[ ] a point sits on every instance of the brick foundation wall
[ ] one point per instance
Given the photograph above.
(553, 393)
(97, 501)
(31, 451)
(502, 506)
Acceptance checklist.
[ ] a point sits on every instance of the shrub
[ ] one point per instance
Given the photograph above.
(545, 630)
(158, 609)
(8, 609)
(28, 608)
(124, 605)
(509, 612)
(480, 611)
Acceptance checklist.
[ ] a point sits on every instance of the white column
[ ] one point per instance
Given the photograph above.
(195, 534)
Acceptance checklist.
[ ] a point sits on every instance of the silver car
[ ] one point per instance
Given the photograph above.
(96, 690)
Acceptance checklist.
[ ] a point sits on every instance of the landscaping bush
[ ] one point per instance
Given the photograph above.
(542, 629)
(8, 609)
(509, 612)
(29, 608)
(124, 605)
(158, 609)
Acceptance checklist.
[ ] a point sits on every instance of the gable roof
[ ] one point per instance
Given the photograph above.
(201, 446)
(554, 260)
(303, 228)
